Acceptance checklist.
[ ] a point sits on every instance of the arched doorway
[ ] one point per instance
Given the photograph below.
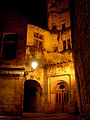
(61, 97)
(32, 96)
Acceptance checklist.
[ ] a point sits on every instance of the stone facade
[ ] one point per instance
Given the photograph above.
(54, 67)
(58, 14)
(12, 67)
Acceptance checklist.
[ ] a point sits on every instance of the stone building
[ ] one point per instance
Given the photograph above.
(80, 20)
(12, 63)
(55, 74)
(52, 86)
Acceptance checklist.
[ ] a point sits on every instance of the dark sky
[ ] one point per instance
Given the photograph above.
(34, 10)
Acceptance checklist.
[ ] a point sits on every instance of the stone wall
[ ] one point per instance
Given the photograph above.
(80, 19)
(12, 71)
(13, 22)
(11, 95)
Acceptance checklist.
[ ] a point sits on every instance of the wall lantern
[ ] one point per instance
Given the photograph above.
(34, 64)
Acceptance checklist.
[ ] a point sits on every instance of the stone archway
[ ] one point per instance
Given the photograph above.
(61, 97)
(32, 96)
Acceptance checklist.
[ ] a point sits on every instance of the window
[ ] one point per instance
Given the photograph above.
(62, 9)
(40, 44)
(62, 86)
(35, 35)
(36, 43)
(40, 36)
(54, 28)
(9, 46)
(38, 40)
(64, 45)
(60, 1)
(53, 5)
(68, 44)
(63, 26)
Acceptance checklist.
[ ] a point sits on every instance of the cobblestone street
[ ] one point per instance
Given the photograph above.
(42, 116)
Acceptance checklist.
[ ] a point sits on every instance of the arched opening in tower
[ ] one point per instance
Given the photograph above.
(32, 96)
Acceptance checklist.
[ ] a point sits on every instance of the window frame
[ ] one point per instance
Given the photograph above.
(64, 47)
(14, 42)
(63, 26)
(68, 44)
(39, 40)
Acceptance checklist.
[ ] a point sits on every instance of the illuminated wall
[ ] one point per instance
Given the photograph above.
(53, 52)
(55, 65)
(58, 13)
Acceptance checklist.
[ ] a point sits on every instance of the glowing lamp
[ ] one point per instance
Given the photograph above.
(34, 64)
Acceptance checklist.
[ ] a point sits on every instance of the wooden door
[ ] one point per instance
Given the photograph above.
(65, 101)
(58, 107)
(61, 101)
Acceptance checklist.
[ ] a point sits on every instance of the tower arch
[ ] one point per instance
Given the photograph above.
(32, 96)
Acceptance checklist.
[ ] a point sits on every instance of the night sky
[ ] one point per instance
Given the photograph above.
(34, 10)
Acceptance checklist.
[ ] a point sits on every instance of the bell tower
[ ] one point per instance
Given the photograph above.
(58, 17)
(58, 14)
(52, 15)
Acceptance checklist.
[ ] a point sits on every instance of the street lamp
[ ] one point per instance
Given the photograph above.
(34, 64)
